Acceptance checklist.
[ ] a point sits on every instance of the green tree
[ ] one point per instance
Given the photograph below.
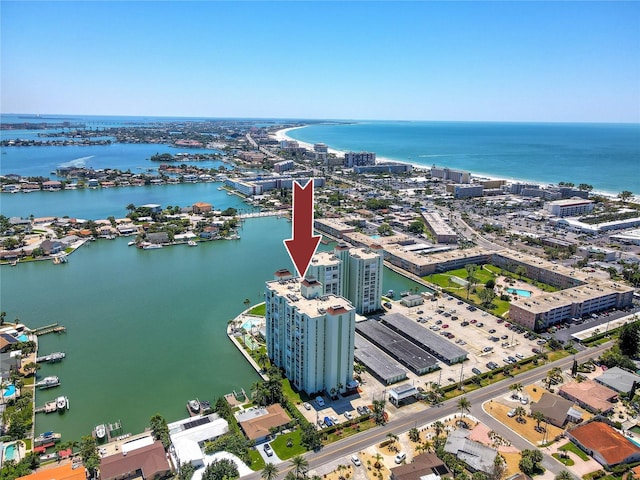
(378, 411)
(629, 339)
(625, 195)
(300, 466)
(464, 405)
(414, 435)
(499, 468)
(416, 227)
(538, 417)
(574, 368)
(269, 472)
(563, 475)
(310, 437)
(223, 469)
(186, 471)
(385, 230)
(89, 454)
(159, 430)
(530, 462)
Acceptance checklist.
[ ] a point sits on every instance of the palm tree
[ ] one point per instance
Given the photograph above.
(516, 387)
(269, 472)
(438, 426)
(378, 411)
(263, 360)
(520, 412)
(464, 405)
(378, 458)
(563, 475)
(300, 466)
(538, 417)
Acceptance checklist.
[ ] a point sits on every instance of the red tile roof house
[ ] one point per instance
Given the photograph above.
(148, 462)
(604, 444)
(590, 395)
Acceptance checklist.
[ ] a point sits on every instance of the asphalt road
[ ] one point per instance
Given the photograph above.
(342, 449)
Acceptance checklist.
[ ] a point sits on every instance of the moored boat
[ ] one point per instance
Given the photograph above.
(192, 243)
(48, 382)
(62, 403)
(151, 246)
(46, 437)
(194, 406)
(101, 431)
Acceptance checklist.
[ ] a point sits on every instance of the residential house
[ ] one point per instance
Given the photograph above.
(605, 444)
(590, 395)
(619, 380)
(478, 457)
(257, 422)
(557, 411)
(51, 247)
(201, 207)
(158, 237)
(65, 471)
(422, 466)
(147, 462)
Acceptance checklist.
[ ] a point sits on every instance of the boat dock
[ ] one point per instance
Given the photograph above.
(48, 407)
(53, 328)
(51, 358)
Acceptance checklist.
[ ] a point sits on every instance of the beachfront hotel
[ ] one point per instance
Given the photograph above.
(309, 335)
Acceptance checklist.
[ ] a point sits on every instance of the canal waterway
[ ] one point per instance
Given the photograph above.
(146, 329)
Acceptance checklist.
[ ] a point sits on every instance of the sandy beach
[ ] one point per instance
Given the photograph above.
(281, 135)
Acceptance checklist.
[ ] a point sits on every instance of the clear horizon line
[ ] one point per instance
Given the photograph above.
(320, 120)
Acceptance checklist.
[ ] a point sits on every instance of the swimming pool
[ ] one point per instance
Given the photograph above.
(517, 291)
(9, 391)
(9, 452)
(23, 338)
(249, 324)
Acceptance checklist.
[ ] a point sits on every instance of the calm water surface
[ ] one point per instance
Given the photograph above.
(146, 329)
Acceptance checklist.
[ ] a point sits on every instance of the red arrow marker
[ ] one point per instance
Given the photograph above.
(304, 243)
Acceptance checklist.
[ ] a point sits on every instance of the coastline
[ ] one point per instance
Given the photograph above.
(283, 135)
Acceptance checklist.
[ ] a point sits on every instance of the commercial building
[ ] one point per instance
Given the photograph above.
(570, 207)
(310, 335)
(465, 191)
(381, 365)
(321, 152)
(352, 159)
(455, 176)
(384, 167)
(439, 228)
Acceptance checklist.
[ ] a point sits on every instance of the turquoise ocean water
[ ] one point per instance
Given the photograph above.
(606, 156)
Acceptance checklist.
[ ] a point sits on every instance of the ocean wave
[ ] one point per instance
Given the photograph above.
(77, 162)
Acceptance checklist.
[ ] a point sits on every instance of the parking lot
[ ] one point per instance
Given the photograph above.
(485, 337)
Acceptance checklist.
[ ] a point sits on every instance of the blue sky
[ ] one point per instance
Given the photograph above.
(502, 61)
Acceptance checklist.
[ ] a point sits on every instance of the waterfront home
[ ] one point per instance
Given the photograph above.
(52, 185)
(92, 183)
(257, 422)
(51, 247)
(68, 471)
(187, 435)
(107, 184)
(10, 188)
(142, 458)
(201, 207)
(158, 237)
(153, 207)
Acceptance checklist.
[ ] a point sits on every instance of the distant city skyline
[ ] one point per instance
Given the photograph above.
(440, 61)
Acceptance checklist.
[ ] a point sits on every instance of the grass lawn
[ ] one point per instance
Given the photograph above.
(294, 397)
(259, 310)
(348, 430)
(257, 462)
(565, 461)
(279, 445)
(570, 447)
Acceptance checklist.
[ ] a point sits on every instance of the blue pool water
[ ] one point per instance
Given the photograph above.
(633, 440)
(10, 390)
(522, 293)
(23, 338)
(249, 324)
(10, 451)
(375, 236)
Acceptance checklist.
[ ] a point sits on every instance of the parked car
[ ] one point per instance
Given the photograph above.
(307, 405)
(328, 422)
(348, 415)
(476, 371)
(400, 457)
(268, 450)
(320, 401)
(356, 460)
(493, 330)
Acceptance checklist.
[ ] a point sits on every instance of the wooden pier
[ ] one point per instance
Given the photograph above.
(51, 358)
(48, 407)
(53, 328)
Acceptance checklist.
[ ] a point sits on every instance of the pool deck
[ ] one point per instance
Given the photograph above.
(241, 320)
